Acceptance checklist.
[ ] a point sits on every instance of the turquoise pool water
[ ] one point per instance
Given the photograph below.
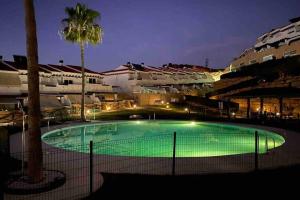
(155, 139)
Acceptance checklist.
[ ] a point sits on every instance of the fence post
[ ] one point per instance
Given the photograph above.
(174, 154)
(91, 167)
(256, 150)
(266, 144)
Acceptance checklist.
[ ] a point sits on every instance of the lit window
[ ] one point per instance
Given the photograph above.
(290, 53)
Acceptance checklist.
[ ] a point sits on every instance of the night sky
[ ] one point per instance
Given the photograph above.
(151, 31)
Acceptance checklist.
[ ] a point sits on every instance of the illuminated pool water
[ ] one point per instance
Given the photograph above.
(155, 139)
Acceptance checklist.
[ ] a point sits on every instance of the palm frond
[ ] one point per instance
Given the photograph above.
(81, 26)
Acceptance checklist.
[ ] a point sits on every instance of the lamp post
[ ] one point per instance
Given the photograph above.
(94, 110)
(23, 135)
(88, 113)
(23, 142)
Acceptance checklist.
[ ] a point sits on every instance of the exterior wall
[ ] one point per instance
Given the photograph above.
(121, 80)
(258, 56)
(51, 84)
(156, 99)
(149, 99)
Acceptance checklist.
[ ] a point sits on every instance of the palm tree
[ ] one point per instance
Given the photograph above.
(81, 27)
(35, 157)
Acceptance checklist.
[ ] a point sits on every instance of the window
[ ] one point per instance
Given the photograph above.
(291, 31)
(289, 53)
(92, 80)
(252, 62)
(67, 82)
(269, 57)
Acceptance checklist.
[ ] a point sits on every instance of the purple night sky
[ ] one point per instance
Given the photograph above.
(151, 31)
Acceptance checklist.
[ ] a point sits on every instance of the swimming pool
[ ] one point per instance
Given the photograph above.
(154, 138)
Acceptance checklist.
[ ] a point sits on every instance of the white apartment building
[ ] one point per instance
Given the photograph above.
(279, 43)
(140, 78)
(59, 84)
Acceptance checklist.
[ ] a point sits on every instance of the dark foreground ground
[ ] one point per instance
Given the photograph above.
(275, 183)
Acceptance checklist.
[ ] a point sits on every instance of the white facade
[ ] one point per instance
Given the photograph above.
(55, 81)
(280, 36)
(133, 78)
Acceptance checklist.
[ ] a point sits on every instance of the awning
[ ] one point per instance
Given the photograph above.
(9, 79)
(76, 99)
(268, 92)
(49, 102)
(9, 101)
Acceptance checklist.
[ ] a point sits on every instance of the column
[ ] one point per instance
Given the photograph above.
(261, 106)
(248, 108)
(281, 106)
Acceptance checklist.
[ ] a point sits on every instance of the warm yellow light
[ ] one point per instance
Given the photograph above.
(257, 109)
(167, 103)
(186, 109)
(162, 102)
(108, 108)
(233, 114)
(134, 106)
(278, 114)
(167, 106)
(88, 111)
(193, 123)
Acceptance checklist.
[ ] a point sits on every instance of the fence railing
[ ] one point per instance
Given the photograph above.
(84, 163)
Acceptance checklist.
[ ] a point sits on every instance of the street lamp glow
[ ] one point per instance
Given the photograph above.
(162, 102)
(134, 106)
(186, 109)
(167, 106)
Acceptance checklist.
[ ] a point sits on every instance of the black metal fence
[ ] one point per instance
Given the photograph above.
(83, 165)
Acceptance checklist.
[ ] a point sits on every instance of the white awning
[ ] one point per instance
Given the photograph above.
(76, 99)
(9, 79)
(49, 102)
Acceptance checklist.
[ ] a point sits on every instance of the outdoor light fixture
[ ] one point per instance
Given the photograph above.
(186, 109)
(108, 108)
(257, 109)
(167, 106)
(233, 114)
(134, 106)
(278, 114)
(88, 111)
(162, 102)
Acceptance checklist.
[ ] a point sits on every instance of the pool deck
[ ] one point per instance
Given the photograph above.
(285, 155)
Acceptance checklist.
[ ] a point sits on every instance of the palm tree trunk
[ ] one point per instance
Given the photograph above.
(83, 81)
(35, 157)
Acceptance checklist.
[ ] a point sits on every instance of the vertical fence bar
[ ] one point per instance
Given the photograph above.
(91, 167)
(266, 144)
(174, 154)
(256, 151)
